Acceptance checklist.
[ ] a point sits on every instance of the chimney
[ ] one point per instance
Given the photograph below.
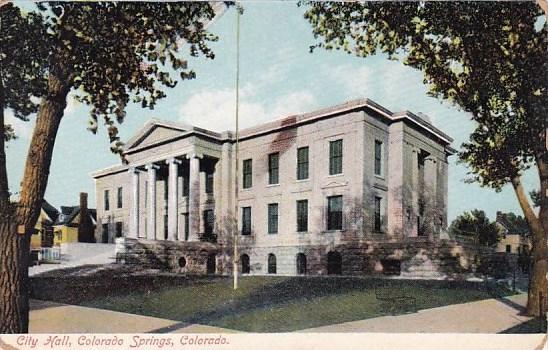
(85, 228)
(83, 202)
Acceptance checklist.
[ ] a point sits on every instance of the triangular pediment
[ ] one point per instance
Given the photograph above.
(155, 131)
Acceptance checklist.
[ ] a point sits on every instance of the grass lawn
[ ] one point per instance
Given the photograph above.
(261, 304)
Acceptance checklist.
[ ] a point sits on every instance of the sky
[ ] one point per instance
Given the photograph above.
(278, 77)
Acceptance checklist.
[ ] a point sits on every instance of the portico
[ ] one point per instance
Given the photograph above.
(174, 192)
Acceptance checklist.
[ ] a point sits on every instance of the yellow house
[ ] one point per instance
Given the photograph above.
(515, 238)
(43, 230)
(69, 227)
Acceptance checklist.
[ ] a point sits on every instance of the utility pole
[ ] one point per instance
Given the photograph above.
(235, 258)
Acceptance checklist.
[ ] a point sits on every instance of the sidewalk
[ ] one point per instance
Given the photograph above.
(485, 316)
(50, 317)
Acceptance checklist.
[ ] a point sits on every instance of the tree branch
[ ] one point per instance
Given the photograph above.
(525, 205)
(4, 186)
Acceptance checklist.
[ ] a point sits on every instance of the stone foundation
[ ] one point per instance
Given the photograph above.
(182, 257)
(407, 258)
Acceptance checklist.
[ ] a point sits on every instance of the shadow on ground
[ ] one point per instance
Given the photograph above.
(534, 325)
(261, 304)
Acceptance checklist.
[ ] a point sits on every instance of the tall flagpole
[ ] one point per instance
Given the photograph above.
(235, 258)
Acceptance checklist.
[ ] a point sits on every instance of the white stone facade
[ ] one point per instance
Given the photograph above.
(392, 178)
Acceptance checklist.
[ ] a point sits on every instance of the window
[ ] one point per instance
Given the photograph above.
(211, 264)
(334, 263)
(104, 236)
(246, 266)
(335, 157)
(302, 163)
(246, 220)
(508, 248)
(273, 168)
(247, 173)
(107, 201)
(209, 221)
(209, 183)
(378, 218)
(119, 197)
(273, 218)
(378, 157)
(271, 263)
(119, 227)
(334, 213)
(301, 264)
(186, 186)
(302, 215)
(187, 226)
(165, 222)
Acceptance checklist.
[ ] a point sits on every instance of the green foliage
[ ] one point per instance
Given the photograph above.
(488, 58)
(476, 224)
(22, 62)
(536, 198)
(114, 53)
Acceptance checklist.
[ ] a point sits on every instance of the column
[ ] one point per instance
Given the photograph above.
(194, 197)
(414, 190)
(151, 224)
(134, 213)
(172, 207)
(430, 184)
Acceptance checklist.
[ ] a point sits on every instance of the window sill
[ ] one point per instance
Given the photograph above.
(303, 232)
(335, 175)
(380, 177)
(334, 231)
(302, 180)
(273, 185)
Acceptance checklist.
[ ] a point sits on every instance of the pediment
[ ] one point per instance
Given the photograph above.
(332, 184)
(154, 132)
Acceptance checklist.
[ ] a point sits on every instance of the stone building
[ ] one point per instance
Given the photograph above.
(350, 189)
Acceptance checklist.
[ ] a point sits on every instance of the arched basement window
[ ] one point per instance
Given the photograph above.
(244, 259)
(271, 263)
(301, 264)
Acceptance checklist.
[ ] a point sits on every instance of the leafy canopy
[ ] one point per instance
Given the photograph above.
(476, 224)
(488, 58)
(114, 53)
(22, 61)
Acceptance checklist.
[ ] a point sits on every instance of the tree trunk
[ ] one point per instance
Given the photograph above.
(539, 253)
(4, 188)
(538, 282)
(17, 224)
(14, 300)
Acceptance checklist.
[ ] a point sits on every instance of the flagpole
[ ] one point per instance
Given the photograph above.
(235, 258)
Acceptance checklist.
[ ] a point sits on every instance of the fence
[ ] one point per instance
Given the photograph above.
(50, 254)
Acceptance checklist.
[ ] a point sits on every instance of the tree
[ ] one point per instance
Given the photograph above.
(476, 224)
(489, 59)
(109, 54)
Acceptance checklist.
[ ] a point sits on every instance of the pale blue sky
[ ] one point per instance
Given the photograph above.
(278, 77)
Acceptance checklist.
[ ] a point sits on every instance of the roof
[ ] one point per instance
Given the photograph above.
(50, 210)
(514, 225)
(68, 213)
(181, 130)
(354, 105)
